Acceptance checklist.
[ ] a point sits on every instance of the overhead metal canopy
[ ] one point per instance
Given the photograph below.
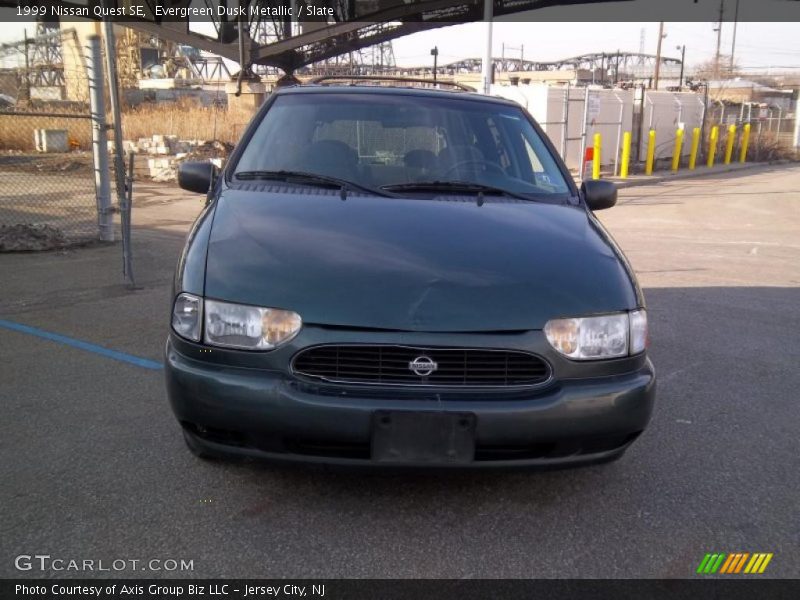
(289, 43)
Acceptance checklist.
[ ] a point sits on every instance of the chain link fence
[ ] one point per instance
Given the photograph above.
(772, 135)
(47, 184)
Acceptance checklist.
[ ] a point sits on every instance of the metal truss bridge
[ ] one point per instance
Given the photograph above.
(290, 44)
(43, 59)
(612, 67)
(617, 62)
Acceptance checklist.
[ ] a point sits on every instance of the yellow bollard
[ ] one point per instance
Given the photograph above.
(729, 144)
(651, 153)
(626, 155)
(745, 143)
(596, 157)
(676, 153)
(712, 145)
(695, 148)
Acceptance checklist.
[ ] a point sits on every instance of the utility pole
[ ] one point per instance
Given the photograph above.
(26, 86)
(603, 69)
(658, 54)
(735, 26)
(435, 55)
(719, 38)
(683, 65)
(486, 66)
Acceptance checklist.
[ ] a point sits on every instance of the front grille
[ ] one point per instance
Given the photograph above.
(390, 365)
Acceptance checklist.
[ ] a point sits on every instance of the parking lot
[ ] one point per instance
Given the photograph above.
(94, 466)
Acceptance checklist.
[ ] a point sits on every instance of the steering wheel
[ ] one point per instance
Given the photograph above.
(487, 164)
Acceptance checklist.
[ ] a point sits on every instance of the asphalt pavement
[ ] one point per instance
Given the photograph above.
(94, 468)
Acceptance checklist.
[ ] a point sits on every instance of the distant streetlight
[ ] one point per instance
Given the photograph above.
(683, 64)
(435, 55)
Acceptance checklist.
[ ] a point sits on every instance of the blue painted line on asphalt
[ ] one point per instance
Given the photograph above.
(80, 344)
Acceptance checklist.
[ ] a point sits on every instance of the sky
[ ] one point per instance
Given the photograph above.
(759, 46)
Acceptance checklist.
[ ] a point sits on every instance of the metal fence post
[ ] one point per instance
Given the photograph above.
(704, 123)
(638, 123)
(796, 141)
(566, 124)
(119, 164)
(584, 133)
(94, 66)
(619, 132)
(758, 140)
(487, 66)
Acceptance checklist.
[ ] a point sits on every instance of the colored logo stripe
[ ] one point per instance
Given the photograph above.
(727, 565)
(758, 563)
(703, 563)
(710, 563)
(734, 563)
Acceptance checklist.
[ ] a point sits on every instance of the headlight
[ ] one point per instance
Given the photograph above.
(638, 331)
(187, 315)
(248, 327)
(593, 338)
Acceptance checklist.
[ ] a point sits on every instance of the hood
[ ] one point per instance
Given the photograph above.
(436, 265)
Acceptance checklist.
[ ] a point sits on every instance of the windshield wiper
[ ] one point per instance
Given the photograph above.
(452, 186)
(311, 179)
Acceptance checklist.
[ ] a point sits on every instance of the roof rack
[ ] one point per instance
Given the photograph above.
(391, 79)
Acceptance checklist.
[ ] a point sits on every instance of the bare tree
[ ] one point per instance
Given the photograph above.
(713, 69)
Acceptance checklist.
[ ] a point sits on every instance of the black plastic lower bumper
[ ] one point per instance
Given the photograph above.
(260, 413)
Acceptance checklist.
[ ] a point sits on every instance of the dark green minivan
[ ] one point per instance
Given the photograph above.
(396, 276)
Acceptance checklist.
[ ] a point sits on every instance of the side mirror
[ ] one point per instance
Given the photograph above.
(599, 194)
(197, 176)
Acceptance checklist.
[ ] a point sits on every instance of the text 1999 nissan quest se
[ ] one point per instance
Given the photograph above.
(408, 277)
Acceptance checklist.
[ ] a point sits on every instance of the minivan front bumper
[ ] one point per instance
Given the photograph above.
(261, 413)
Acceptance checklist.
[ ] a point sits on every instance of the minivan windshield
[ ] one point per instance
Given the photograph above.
(404, 142)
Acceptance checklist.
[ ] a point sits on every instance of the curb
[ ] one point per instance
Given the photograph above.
(700, 172)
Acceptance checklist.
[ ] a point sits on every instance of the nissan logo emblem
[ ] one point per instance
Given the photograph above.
(422, 366)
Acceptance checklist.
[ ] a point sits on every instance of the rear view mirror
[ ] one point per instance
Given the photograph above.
(599, 194)
(197, 176)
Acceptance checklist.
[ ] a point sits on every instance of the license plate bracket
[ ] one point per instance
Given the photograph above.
(411, 437)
